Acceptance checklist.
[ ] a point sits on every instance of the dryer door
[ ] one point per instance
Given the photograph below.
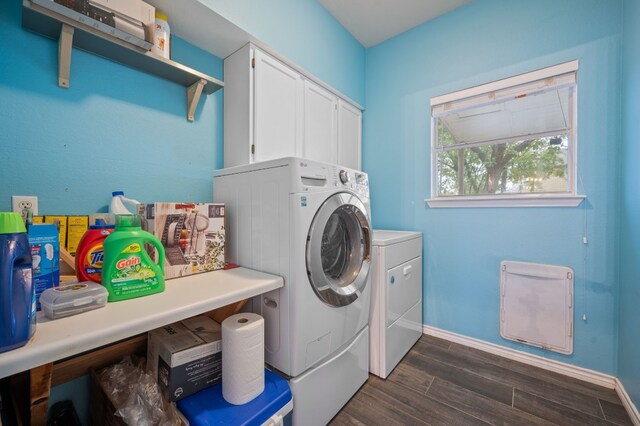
(339, 250)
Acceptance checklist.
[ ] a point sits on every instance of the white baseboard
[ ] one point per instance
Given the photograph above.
(584, 374)
(632, 410)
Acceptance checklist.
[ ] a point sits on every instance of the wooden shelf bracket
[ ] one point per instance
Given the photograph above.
(65, 44)
(40, 392)
(193, 96)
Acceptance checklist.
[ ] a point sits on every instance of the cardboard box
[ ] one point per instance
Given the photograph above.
(193, 235)
(100, 19)
(61, 223)
(37, 219)
(185, 357)
(45, 254)
(130, 10)
(76, 228)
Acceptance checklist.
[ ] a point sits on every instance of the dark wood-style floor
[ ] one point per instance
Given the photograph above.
(443, 383)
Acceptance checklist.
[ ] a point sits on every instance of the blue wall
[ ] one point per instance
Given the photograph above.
(118, 128)
(307, 34)
(50, 136)
(478, 43)
(629, 353)
(115, 128)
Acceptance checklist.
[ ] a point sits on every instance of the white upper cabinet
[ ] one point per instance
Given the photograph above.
(349, 135)
(262, 108)
(320, 124)
(277, 109)
(273, 109)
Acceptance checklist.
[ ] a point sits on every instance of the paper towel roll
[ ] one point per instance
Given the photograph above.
(242, 358)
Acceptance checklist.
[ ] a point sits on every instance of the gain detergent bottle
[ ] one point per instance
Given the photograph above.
(128, 271)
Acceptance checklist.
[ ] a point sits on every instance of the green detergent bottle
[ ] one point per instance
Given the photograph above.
(128, 271)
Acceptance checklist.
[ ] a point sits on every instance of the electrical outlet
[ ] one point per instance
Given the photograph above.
(22, 202)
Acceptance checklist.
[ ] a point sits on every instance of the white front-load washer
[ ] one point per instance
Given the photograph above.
(308, 222)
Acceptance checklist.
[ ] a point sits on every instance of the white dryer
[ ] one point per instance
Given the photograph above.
(396, 298)
(308, 222)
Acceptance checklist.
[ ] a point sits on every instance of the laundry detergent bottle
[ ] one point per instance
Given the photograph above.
(119, 202)
(17, 293)
(128, 271)
(90, 253)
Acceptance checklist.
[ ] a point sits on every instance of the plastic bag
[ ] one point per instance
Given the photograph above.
(137, 396)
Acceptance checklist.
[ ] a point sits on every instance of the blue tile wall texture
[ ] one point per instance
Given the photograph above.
(114, 128)
(481, 42)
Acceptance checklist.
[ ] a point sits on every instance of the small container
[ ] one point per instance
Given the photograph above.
(71, 299)
(161, 37)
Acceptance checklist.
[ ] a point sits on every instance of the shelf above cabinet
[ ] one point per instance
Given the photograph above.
(69, 33)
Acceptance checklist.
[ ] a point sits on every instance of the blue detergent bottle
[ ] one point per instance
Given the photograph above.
(17, 294)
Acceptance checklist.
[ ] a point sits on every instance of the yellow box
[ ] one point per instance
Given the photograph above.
(76, 227)
(61, 222)
(37, 219)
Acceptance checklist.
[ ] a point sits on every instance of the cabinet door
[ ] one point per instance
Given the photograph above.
(320, 124)
(349, 135)
(277, 109)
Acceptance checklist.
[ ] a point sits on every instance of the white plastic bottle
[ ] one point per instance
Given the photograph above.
(117, 205)
(161, 37)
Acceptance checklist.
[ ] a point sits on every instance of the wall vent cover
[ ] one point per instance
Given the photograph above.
(536, 305)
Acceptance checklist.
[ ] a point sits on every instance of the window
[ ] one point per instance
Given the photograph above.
(510, 142)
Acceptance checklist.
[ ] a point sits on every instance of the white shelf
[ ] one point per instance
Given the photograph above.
(182, 298)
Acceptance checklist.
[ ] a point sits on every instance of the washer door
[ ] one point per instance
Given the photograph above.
(339, 250)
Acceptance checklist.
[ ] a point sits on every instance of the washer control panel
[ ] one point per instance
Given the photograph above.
(350, 179)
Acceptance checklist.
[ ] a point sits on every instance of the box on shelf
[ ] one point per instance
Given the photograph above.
(76, 227)
(193, 235)
(186, 356)
(45, 254)
(61, 223)
(107, 20)
(128, 12)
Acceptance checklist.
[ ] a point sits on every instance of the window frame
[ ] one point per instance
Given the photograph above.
(570, 198)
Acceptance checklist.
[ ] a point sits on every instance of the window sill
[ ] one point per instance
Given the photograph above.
(529, 200)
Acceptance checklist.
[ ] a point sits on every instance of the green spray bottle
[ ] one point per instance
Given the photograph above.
(128, 271)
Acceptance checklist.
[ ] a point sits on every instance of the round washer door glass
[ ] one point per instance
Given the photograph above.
(339, 250)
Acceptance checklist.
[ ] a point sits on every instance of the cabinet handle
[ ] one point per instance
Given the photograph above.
(407, 270)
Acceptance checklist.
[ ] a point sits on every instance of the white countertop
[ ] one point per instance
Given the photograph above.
(182, 298)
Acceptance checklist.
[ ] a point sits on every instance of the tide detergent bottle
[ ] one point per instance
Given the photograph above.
(90, 253)
(128, 270)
